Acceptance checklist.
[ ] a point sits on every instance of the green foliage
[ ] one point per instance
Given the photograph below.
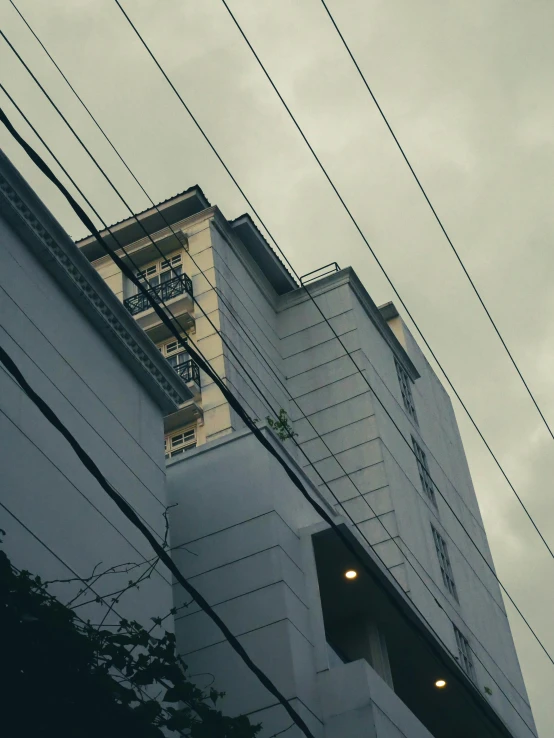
(281, 425)
(71, 679)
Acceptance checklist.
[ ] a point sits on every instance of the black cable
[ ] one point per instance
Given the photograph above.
(102, 515)
(129, 513)
(343, 203)
(140, 224)
(307, 291)
(448, 661)
(181, 342)
(239, 323)
(69, 568)
(437, 218)
(344, 347)
(261, 395)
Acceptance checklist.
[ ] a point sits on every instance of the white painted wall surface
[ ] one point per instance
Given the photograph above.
(380, 466)
(245, 545)
(383, 467)
(59, 523)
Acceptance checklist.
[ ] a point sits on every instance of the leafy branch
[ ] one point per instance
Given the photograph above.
(84, 680)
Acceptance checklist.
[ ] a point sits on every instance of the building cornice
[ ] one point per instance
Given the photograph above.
(348, 276)
(45, 237)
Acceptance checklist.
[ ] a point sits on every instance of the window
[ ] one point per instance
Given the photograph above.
(180, 441)
(174, 352)
(465, 657)
(162, 270)
(444, 563)
(406, 389)
(424, 474)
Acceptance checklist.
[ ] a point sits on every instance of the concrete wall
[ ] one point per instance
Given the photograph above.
(248, 302)
(58, 521)
(246, 546)
(480, 613)
(374, 474)
(238, 542)
(382, 492)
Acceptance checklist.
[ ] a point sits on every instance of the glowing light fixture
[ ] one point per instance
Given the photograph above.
(351, 574)
(440, 683)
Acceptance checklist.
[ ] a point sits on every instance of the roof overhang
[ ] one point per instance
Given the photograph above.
(261, 252)
(417, 657)
(132, 229)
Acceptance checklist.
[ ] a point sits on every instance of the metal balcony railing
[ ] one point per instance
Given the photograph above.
(320, 273)
(160, 292)
(189, 371)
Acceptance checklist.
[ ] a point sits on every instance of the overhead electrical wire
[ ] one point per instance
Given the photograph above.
(320, 311)
(91, 466)
(371, 509)
(123, 505)
(383, 270)
(437, 218)
(148, 235)
(307, 291)
(231, 349)
(240, 325)
(388, 533)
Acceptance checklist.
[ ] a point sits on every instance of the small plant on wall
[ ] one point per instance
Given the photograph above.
(281, 425)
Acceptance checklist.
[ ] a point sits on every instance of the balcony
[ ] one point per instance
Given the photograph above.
(168, 290)
(189, 371)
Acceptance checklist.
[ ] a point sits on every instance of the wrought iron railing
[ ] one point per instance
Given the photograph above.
(160, 292)
(189, 371)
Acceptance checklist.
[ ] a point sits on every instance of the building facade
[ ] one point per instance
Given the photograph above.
(376, 442)
(82, 352)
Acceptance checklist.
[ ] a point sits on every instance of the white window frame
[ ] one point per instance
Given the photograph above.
(172, 347)
(424, 473)
(161, 266)
(406, 390)
(175, 446)
(444, 563)
(465, 657)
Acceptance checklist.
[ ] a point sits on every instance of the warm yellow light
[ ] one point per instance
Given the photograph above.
(440, 683)
(351, 574)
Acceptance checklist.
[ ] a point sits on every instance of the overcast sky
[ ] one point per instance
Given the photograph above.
(466, 85)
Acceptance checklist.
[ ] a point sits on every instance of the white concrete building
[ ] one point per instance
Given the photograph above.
(81, 351)
(357, 657)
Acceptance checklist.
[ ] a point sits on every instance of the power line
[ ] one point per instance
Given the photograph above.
(239, 323)
(333, 330)
(148, 235)
(129, 513)
(459, 675)
(358, 228)
(437, 218)
(108, 140)
(230, 347)
(87, 585)
(102, 515)
(296, 275)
